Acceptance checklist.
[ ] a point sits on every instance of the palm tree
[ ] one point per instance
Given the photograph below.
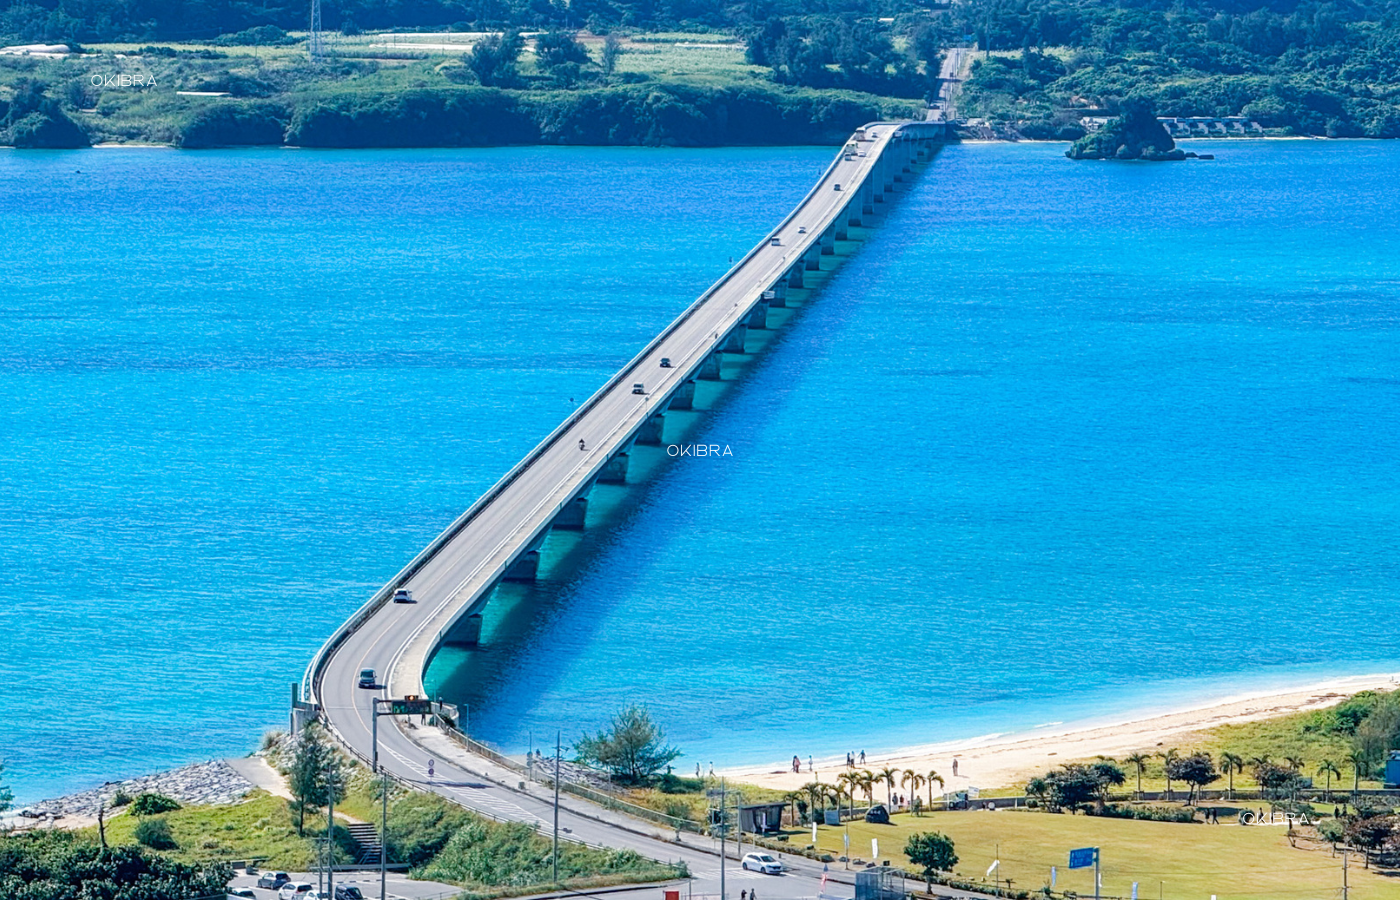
(851, 781)
(929, 779)
(914, 781)
(1358, 762)
(1232, 763)
(791, 798)
(1140, 761)
(887, 775)
(1168, 757)
(1295, 763)
(813, 790)
(1329, 769)
(867, 784)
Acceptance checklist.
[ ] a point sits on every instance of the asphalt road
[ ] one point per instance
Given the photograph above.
(398, 638)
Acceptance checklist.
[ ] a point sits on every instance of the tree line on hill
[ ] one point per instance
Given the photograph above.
(1324, 68)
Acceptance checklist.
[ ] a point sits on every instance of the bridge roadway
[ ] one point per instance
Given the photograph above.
(455, 574)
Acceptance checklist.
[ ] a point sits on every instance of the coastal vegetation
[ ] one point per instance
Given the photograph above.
(633, 748)
(57, 865)
(1325, 69)
(1134, 134)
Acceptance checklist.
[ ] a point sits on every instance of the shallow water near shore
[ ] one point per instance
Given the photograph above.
(1062, 442)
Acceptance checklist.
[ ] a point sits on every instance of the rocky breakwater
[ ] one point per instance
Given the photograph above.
(201, 783)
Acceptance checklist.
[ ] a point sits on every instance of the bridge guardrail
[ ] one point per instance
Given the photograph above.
(385, 593)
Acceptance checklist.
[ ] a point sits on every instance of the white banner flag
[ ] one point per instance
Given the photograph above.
(996, 864)
(874, 850)
(1135, 896)
(814, 835)
(1053, 874)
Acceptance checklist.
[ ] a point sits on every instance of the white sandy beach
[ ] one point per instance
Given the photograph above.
(1004, 760)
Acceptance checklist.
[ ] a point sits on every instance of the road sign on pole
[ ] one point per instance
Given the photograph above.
(1083, 858)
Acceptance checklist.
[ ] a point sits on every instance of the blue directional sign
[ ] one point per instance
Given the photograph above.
(1083, 858)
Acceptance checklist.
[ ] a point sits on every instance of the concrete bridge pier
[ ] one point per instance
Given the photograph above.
(709, 369)
(795, 274)
(852, 214)
(614, 471)
(867, 196)
(828, 242)
(683, 397)
(812, 259)
(734, 341)
(527, 565)
(758, 317)
(574, 513)
(776, 296)
(651, 433)
(466, 633)
(838, 230)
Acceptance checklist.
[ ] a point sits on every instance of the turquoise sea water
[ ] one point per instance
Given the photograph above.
(1063, 440)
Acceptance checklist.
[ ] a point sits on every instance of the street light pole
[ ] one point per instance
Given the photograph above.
(723, 832)
(558, 751)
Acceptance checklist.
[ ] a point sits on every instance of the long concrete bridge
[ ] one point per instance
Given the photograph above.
(500, 536)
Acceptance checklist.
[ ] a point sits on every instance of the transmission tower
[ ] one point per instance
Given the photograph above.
(313, 44)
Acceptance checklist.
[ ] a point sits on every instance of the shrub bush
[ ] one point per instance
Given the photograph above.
(153, 804)
(155, 833)
(1145, 813)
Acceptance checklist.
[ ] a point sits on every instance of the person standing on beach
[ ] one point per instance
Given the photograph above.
(955, 767)
(862, 757)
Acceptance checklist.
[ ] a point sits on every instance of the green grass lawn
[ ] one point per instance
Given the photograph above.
(261, 827)
(1185, 861)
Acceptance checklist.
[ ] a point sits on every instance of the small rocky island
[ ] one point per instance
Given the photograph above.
(1135, 134)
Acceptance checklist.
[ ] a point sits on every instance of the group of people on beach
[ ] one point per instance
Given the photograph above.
(851, 759)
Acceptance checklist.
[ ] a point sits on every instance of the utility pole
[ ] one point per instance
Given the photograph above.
(723, 832)
(558, 752)
(384, 837)
(332, 779)
(1345, 856)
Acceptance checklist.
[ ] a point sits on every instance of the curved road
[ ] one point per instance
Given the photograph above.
(456, 573)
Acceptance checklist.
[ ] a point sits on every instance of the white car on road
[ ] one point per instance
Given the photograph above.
(295, 890)
(762, 862)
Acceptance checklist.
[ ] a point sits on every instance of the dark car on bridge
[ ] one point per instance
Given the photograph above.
(367, 678)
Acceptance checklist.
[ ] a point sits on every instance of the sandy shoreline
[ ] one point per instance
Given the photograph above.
(1003, 760)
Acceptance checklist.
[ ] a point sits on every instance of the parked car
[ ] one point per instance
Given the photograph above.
(348, 892)
(241, 892)
(403, 595)
(367, 678)
(762, 862)
(271, 881)
(296, 890)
